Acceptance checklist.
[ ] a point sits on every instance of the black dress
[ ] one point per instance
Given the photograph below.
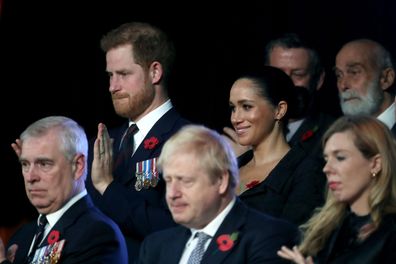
(345, 247)
(292, 190)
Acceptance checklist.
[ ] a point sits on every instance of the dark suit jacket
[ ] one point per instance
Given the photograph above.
(138, 213)
(259, 238)
(292, 190)
(310, 133)
(378, 248)
(91, 237)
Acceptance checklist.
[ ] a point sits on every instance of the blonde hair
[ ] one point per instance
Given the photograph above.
(212, 151)
(371, 137)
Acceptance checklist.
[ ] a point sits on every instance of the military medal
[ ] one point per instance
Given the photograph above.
(49, 254)
(139, 178)
(154, 176)
(146, 174)
(138, 185)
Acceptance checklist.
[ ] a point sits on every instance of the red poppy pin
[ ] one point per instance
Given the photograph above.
(53, 237)
(308, 134)
(150, 143)
(251, 184)
(225, 242)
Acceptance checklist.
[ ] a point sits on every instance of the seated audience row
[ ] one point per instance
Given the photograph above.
(146, 176)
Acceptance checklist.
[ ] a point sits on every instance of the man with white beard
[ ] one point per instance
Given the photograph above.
(365, 77)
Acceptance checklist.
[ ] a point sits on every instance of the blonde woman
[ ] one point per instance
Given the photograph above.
(357, 224)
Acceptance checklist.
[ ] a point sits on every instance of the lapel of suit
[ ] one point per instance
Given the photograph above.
(232, 223)
(394, 130)
(161, 130)
(69, 218)
(280, 177)
(303, 133)
(174, 249)
(24, 244)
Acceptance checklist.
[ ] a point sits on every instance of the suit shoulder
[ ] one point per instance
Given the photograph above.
(94, 218)
(180, 121)
(22, 232)
(269, 222)
(165, 234)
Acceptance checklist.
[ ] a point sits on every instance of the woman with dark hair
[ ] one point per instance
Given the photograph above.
(274, 178)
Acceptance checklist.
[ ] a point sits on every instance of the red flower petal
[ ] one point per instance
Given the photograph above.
(53, 237)
(252, 184)
(307, 135)
(150, 143)
(225, 242)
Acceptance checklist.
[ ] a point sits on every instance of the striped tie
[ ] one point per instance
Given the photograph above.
(199, 250)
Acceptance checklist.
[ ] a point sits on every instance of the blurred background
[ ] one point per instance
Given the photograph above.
(51, 62)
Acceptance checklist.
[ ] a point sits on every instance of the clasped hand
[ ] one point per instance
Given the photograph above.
(294, 255)
(10, 254)
(102, 164)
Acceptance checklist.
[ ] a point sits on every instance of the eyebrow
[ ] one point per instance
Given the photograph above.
(350, 65)
(245, 101)
(354, 64)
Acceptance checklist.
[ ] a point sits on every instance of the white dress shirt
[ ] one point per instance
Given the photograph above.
(209, 229)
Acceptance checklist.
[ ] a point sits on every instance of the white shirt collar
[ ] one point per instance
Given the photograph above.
(52, 218)
(210, 229)
(214, 225)
(148, 121)
(55, 216)
(388, 116)
(293, 127)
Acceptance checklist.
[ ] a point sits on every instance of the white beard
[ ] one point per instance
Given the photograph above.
(367, 104)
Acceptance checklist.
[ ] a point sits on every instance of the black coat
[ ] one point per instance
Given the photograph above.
(259, 238)
(138, 213)
(292, 190)
(90, 237)
(310, 133)
(378, 248)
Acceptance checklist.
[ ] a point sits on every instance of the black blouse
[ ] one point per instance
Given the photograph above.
(347, 239)
(343, 246)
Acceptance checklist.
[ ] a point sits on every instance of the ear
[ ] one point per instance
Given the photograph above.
(376, 164)
(78, 166)
(387, 78)
(155, 72)
(281, 110)
(224, 181)
(320, 81)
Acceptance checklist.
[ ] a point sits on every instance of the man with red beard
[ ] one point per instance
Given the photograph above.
(124, 181)
(365, 77)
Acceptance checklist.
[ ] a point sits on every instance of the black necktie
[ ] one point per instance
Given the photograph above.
(127, 146)
(42, 222)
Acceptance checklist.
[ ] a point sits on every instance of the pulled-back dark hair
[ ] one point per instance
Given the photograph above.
(274, 85)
